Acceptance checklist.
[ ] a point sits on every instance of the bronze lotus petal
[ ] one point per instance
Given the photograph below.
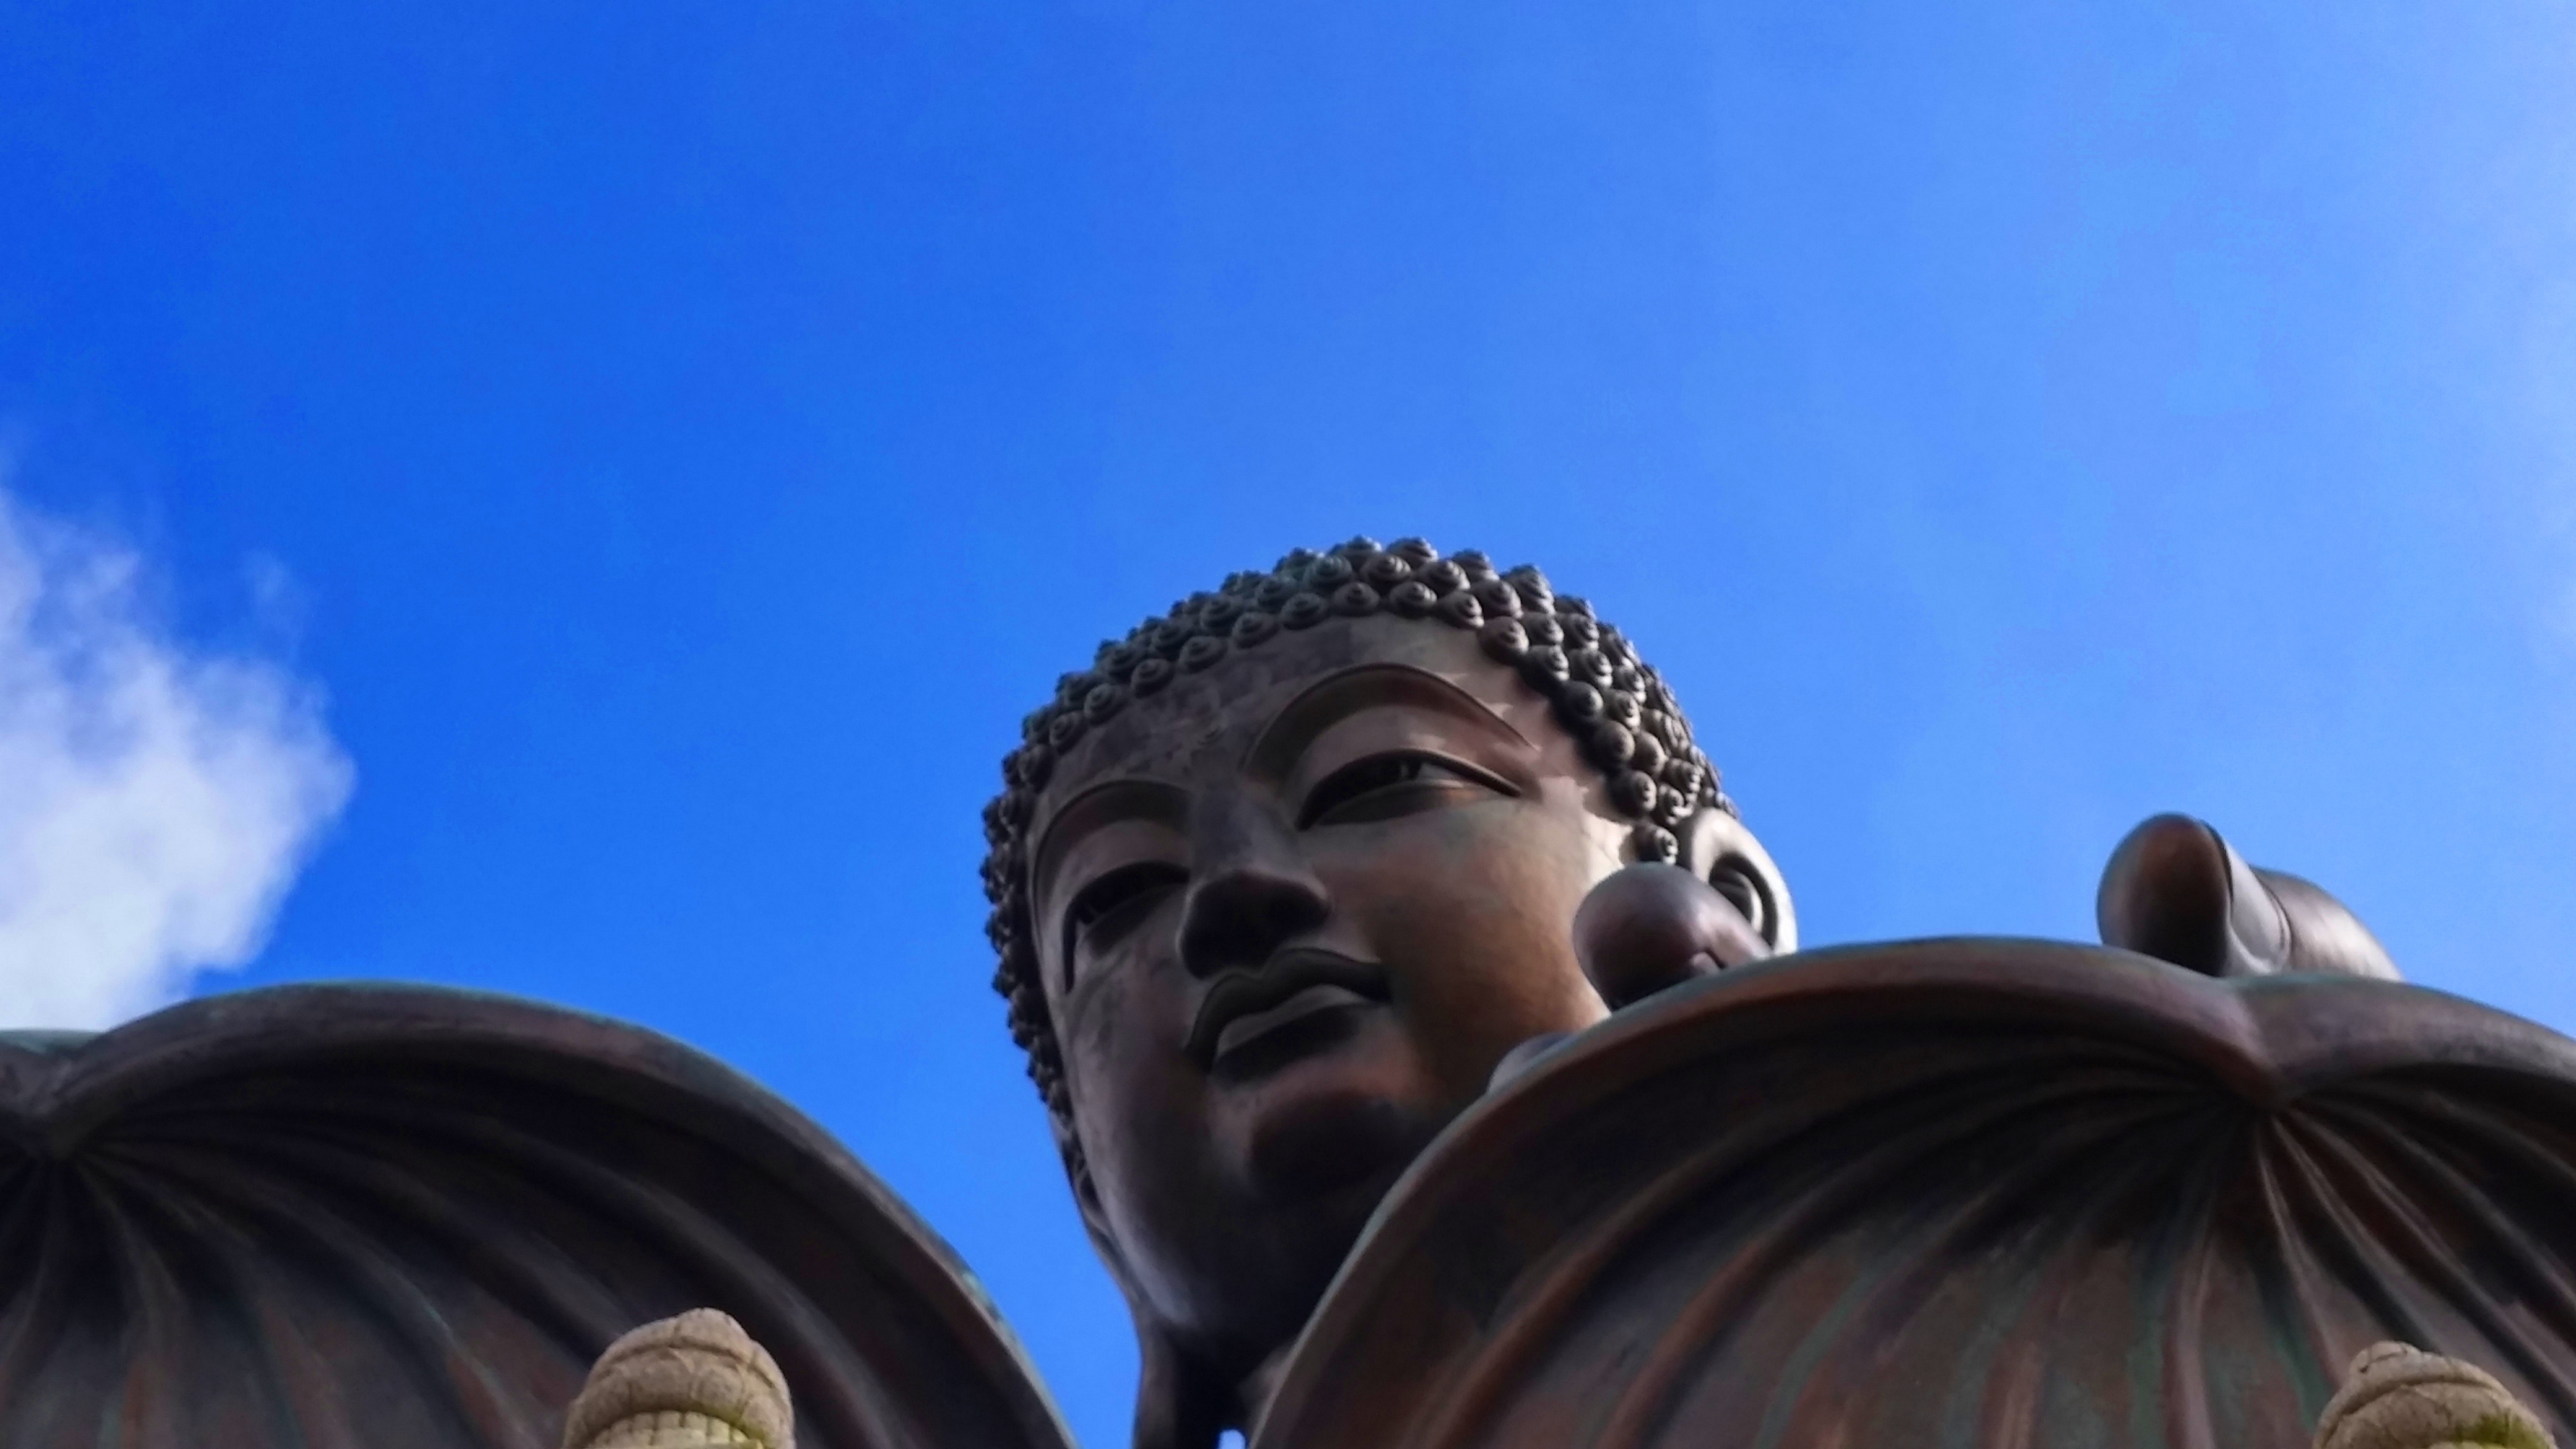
(392, 1218)
(1966, 1192)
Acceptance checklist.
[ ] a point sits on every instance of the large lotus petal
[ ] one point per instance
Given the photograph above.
(350, 1218)
(1980, 1194)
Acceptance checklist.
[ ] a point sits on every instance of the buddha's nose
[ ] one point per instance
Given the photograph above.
(1253, 895)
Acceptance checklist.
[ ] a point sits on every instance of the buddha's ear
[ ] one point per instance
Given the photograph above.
(1179, 1405)
(1718, 849)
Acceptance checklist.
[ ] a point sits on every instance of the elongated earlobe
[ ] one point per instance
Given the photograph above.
(1717, 848)
(1179, 1405)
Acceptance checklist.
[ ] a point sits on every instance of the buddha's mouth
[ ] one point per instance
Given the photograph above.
(1248, 1015)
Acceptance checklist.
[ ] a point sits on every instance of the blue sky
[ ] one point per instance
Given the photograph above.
(662, 451)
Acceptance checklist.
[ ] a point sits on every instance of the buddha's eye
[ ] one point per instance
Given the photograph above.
(1382, 787)
(1112, 905)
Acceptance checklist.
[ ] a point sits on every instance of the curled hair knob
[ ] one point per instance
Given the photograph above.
(1201, 652)
(1610, 745)
(1684, 774)
(1412, 599)
(1533, 589)
(1036, 764)
(1329, 573)
(1544, 667)
(1634, 792)
(1579, 705)
(1672, 807)
(1218, 614)
(1461, 609)
(1386, 570)
(1355, 599)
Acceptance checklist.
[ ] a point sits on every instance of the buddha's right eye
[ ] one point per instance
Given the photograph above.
(1110, 906)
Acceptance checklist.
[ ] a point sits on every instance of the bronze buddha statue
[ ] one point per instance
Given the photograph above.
(1434, 1062)
(1289, 872)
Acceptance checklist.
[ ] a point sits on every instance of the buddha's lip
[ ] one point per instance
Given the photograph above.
(1239, 994)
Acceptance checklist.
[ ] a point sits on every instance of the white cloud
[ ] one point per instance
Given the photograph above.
(155, 801)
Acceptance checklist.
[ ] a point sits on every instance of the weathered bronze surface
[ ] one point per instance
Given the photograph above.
(1383, 900)
(359, 1218)
(1297, 871)
(1964, 1193)
(1950, 1193)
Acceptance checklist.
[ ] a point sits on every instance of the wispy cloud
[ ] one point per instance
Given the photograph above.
(155, 800)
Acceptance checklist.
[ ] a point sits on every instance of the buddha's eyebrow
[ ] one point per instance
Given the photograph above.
(1337, 696)
(1105, 803)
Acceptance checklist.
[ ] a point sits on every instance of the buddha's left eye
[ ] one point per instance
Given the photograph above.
(1384, 786)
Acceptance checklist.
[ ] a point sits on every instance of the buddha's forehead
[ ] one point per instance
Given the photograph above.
(1220, 711)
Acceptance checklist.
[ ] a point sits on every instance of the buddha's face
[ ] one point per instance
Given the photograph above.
(1291, 912)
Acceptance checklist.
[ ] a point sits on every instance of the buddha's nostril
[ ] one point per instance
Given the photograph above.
(1241, 917)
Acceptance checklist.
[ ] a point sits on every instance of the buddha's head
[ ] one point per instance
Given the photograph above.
(1280, 880)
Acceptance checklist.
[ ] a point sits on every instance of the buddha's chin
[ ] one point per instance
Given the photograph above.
(1338, 1124)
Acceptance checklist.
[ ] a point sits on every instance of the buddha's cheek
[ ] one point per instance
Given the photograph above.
(1232, 1205)
(1336, 1117)
(1476, 919)
(1179, 1227)
(1141, 1107)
